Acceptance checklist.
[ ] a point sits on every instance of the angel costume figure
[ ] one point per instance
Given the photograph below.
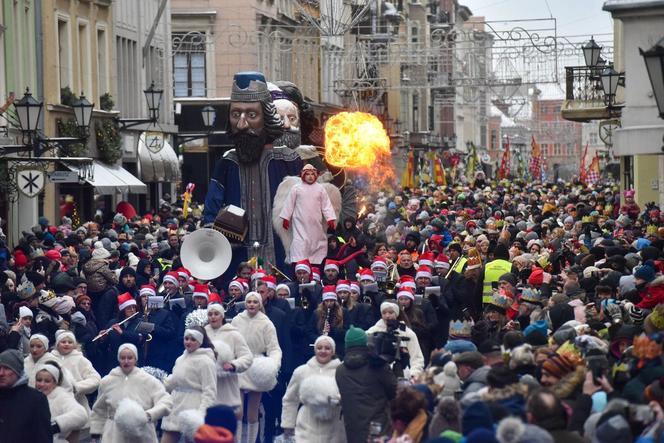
(306, 205)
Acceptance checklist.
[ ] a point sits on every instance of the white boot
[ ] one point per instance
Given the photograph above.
(238, 432)
(252, 432)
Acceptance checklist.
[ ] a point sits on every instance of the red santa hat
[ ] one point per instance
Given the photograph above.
(148, 290)
(315, 273)
(171, 277)
(354, 286)
(201, 291)
(406, 292)
(214, 298)
(407, 281)
(303, 265)
(379, 262)
(427, 259)
(271, 281)
(329, 292)
(343, 285)
(237, 283)
(258, 273)
(442, 261)
(423, 272)
(331, 264)
(366, 275)
(125, 300)
(183, 273)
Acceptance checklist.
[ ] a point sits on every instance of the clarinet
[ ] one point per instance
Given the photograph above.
(327, 325)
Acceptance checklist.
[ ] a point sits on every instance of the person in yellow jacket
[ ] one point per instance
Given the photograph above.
(494, 269)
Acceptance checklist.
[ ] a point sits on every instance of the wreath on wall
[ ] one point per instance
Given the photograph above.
(109, 143)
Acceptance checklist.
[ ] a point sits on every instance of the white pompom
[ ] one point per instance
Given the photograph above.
(189, 421)
(510, 430)
(321, 394)
(197, 317)
(224, 352)
(263, 374)
(131, 419)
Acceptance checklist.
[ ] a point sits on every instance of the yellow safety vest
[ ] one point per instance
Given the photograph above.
(459, 266)
(492, 272)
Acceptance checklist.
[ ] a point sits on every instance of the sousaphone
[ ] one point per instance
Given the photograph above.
(206, 253)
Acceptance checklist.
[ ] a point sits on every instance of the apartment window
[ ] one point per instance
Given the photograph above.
(415, 33)
(102, 65)
(64, 59)
(130, 100)
(84, 71)
(189, 65)
(416, 112)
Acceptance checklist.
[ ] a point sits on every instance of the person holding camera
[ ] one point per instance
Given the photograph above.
(409, 355)
(366, 385)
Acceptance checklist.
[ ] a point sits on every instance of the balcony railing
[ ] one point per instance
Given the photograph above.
(583, 83)
(584, 97)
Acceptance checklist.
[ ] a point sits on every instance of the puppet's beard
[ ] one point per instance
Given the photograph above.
(290, 138)
(249, 145)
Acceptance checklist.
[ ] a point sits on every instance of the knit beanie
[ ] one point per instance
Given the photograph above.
(513, 430)
(645, 272)
(12, 359)
(355, 337)
(476, 416)
(558, 366)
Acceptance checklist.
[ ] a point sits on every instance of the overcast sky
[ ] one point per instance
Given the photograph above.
(573, 17)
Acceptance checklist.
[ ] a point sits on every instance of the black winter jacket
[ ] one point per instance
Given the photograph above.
(24, 414)
(366, 389)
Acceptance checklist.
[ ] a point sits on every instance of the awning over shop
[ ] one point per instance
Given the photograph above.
(113, 179)
(157, 159)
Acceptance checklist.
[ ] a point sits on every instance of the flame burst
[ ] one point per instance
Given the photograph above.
(357, 141)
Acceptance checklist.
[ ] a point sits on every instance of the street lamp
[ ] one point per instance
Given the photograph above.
(153, 97)
(591, 51)
(28, 111)
(209, 115)
(610, 80)
(654, 59)
(82, 112)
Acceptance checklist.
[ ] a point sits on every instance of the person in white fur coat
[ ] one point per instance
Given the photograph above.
(129, 402)
(261, 337)
(67, 416)
(193, 383)
(389, 311)
(233, 358)
(313, 385)
(82, 375)
(38, 354)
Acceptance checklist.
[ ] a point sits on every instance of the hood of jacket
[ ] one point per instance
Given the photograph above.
(356, 357)
(314, 364)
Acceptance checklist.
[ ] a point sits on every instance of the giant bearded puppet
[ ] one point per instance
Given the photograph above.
(249, 175)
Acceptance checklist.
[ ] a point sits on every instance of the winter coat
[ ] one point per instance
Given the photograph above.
(475, 381)
(46, 322)
(261, 337)
(416, 362)
(139, 386)
(67, 413)
(653, 294)
(359, 316)
(24, 412)
(98, 275)
(193, 385)
(84, 378)
(227, 337)
(29, 366)
(319, 419)
(366, 387)
(163, 336)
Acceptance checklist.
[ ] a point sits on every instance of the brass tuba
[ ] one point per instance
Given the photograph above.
(206, 253)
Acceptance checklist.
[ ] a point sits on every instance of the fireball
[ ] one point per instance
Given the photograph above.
(357, 141)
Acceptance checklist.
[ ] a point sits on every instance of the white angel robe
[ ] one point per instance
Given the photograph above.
(306, 207)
